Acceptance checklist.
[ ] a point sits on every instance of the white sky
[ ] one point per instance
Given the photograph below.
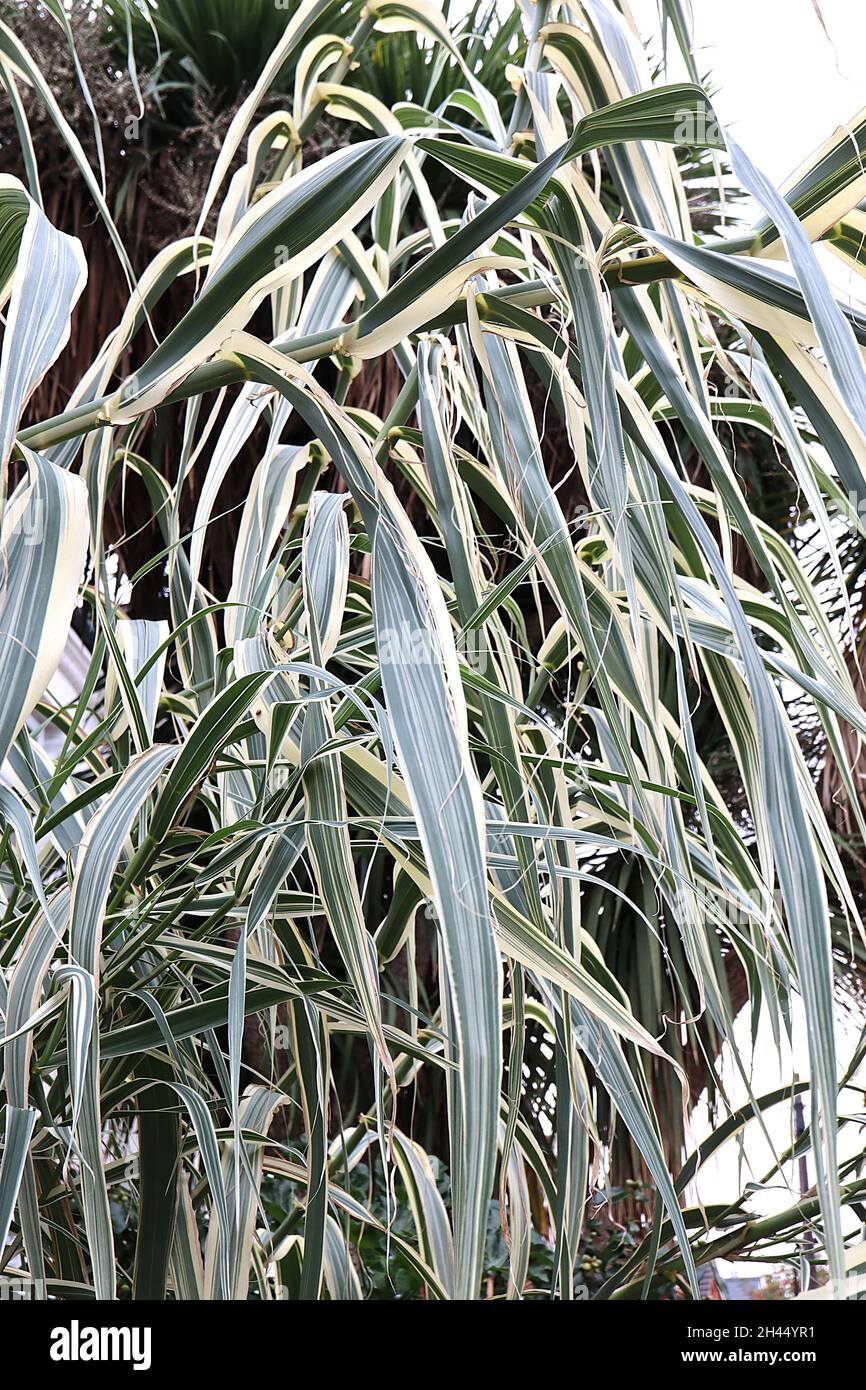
(724, 1177)
(779, 82)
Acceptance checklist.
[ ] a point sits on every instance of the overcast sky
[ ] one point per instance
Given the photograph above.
(781, 83)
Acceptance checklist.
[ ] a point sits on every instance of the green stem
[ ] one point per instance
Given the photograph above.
(749, 1234)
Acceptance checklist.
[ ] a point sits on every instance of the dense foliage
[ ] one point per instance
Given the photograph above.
(378, 907)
